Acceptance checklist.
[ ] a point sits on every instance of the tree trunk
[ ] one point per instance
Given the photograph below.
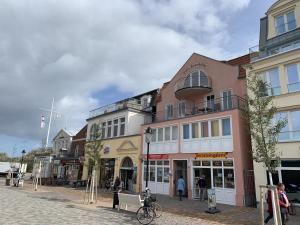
(276, 214)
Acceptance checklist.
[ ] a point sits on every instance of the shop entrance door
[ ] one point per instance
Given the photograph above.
(126, 173)
(180, 169)
(201, 172)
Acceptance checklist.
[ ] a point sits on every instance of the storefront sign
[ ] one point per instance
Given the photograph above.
(212, 155)
(156, 156)
(211, 194)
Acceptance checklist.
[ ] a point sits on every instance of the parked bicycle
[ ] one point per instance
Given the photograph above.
(150, 210)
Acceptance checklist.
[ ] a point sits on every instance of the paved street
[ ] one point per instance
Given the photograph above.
(21, 208)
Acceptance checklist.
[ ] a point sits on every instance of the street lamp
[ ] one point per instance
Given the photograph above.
(148, 136)
(23, 153)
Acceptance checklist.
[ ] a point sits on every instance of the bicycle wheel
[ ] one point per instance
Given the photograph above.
(145, 215)
(157, 209)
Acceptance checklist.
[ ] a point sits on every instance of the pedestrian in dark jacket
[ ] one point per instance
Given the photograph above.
(116, 187)
(283, 202)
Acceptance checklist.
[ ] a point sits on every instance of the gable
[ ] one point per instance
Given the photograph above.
(279, 4)
(127, 146)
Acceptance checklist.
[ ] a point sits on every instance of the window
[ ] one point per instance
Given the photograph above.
(152, 173)
(93, 132)
(159, 174)
(292, 130)
(204, 129)
(195, 79)
(103, 128)
(214, 128)
(186, 131)
(167, 133)
(160, 136)
(195, 130)
(226, 129)
(181, 109)
(210, 102)
(174, 133)
(116, 123)
(76, 151)
(169, 112)
(271, 77)
(293, 78)
(166, 174)
(218, 177)
(285, 22)
(122, 126)
(109, 124)
(229, 178)
(226, 100)
(153, 135)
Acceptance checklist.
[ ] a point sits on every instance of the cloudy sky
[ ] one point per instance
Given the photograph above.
(88, 53)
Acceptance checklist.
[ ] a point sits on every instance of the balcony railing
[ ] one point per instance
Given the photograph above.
(293, 87)
(289, 136)
(201, 81)
(129, 103)
(202, 108)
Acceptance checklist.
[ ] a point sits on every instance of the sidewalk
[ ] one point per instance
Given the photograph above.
(229, 215)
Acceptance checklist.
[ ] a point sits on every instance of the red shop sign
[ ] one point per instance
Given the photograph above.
(156, 156)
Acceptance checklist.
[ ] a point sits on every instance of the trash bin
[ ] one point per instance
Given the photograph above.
(7, 183)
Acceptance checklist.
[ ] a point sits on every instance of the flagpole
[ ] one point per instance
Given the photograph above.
(49, 125)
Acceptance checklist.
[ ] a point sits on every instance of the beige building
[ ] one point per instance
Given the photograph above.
(120, 125)
(277, 61)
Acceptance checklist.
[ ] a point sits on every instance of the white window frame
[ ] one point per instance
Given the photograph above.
(167, 116)
(265, 75)
(287, 76)
(284, 14)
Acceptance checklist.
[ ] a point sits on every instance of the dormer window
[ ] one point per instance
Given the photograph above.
(285, 22)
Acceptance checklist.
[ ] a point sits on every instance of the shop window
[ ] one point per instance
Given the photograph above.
(174, 132)
(290, 163)
(152, 163)
(226, 129)
(159, 173)
(145, 172)
(152, 173)
(159, 163)
(195, 130)
(166, 163)
(229, 178)
(290, 178)
(160, 136)
(197, 163)
(214, 128)
(204, 129)
(167, 133)
(217, 163)
(186, 131)
(228, 163)
(218, 178)
(166, 174)
(153, 137)
(205, 163)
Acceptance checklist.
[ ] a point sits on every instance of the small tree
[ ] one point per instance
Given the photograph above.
(264, 128)
(93, 152)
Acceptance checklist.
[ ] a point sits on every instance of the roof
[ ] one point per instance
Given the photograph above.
(65, 131)
(240, 61)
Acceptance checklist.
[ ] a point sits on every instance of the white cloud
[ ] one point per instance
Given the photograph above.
(70, 49)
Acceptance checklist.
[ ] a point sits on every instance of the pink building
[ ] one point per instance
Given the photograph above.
(199, 130)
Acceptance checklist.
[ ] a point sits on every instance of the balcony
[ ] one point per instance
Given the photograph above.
(201, 108)
(126, 104)
(281, 43)
(196, 83)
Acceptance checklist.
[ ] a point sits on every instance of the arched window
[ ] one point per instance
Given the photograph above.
(196, 79)
(127, 163)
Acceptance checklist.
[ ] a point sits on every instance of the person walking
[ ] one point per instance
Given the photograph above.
(283, 202)
(202, 187)
(270, 207)
(116, 188)
(180, 187)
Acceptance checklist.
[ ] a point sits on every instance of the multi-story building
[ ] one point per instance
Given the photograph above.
(277, 61)
(120, 126)
(61, 148)
(198, 130)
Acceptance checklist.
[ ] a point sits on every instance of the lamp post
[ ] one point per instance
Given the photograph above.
(23, 153)
(148, 136)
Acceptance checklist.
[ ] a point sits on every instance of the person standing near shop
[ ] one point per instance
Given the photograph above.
(180, 187)
(116, 188)
(202, 187)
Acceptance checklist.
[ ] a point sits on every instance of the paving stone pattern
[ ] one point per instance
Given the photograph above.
(18, 207)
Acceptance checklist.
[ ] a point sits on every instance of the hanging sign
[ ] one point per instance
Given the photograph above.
(212, 155)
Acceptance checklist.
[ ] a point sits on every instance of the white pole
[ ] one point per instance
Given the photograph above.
(49, 125)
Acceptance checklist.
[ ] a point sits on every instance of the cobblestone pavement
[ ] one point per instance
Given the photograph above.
(19, 207)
